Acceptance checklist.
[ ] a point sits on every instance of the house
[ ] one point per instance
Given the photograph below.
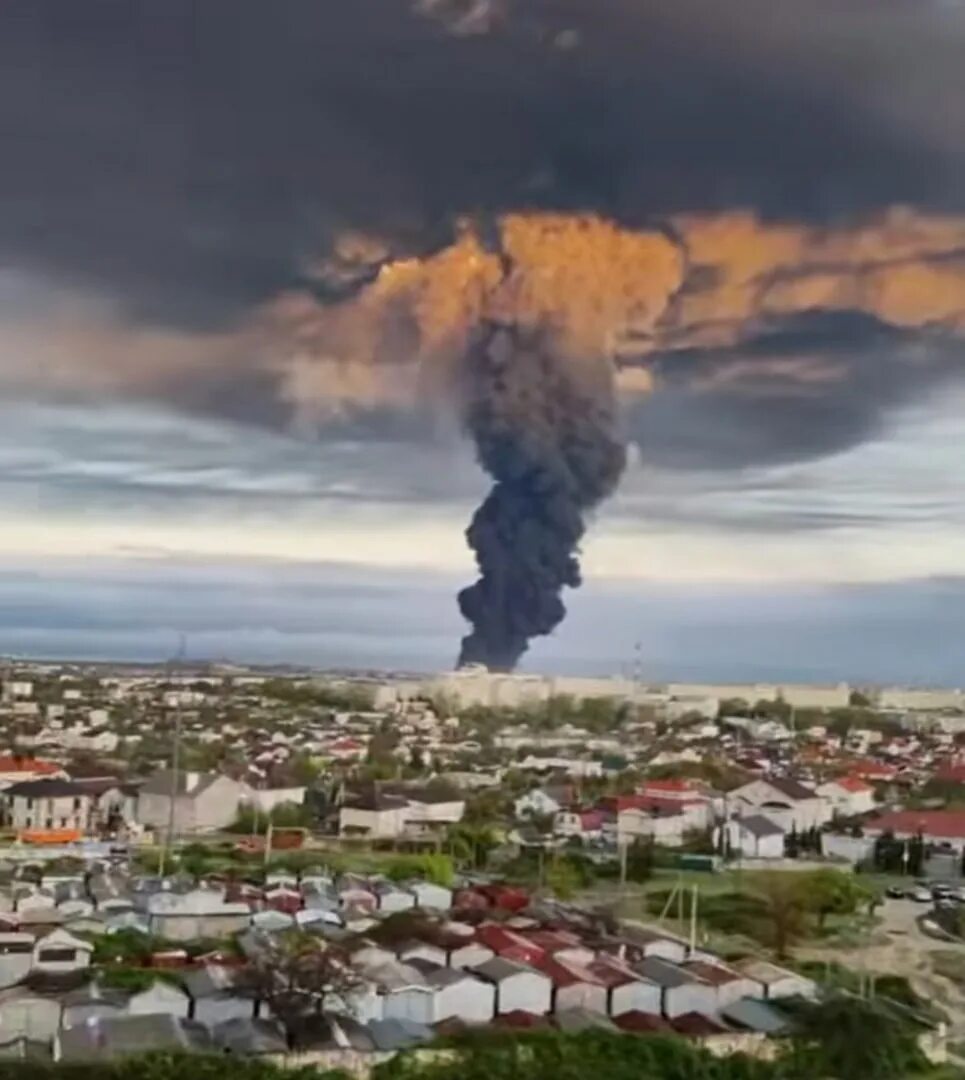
(787, 802)
(429, 896)
(518, 987)
(535, 804)
(754, 837)
(424, 951)
(375, 815)
(391, 899)
(628, 992)
(681, 991)
(160, 997)
(215, 997)
(202, 801)
(469, 954)
(729, 983)
(777, 982)
(574, 987)
(201, 913)
(943, 828)
(16, 957)
(27, 1015)
(266, 799)
(509, 945)
(430, 812)
(91, 1002)
(47, 804)
(17, 769)
(120, 1036)
(848, 796)
(59, 952)
(461, 996)
(585, 824)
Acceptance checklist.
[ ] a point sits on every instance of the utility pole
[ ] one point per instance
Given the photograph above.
(693, 918)
(268, 833)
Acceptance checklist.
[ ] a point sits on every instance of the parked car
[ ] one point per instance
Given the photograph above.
(920, 895)
(895, 892)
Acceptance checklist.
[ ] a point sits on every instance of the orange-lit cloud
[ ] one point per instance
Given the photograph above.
(608, 293)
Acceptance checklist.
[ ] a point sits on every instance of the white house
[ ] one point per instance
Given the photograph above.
(160, 997)
(460, 995)
(16, 957)
(430, 896)
(47, 804)
(848, 796)
(376, 816)
(787, 802)
(681, 991)
(59, 952)
(777, 982)
(755, 837)
(535, 803)
(202, 801)
(518, 987)
(201, 913)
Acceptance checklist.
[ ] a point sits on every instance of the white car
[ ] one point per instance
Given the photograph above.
(920, 895)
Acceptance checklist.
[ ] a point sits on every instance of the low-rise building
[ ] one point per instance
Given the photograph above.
(203, 802)
(47, 804)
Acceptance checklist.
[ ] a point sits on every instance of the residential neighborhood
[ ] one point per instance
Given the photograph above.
(429, 862)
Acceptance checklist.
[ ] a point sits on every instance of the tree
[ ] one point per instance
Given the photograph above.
(784, 909)
(831, 892)
(298, 974)
(844, 1036)
(916, 855)
(471, 844)
(563, 878)
(859, 700)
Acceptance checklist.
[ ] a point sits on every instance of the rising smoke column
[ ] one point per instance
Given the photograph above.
(545, 430)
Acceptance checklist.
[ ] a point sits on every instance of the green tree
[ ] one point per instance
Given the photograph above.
(847, 1037)
(831, 892)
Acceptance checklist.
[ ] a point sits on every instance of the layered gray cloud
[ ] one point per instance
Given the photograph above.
(326, 616)
(191, 159)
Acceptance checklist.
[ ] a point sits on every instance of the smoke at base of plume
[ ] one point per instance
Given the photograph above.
(545, 430)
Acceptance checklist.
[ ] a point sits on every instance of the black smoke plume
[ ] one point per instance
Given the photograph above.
(545, 430)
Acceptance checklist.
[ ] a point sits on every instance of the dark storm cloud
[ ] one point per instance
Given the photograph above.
(189, 158)
(807, 387)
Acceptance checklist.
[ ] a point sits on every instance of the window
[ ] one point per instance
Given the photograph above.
(63, 823)
(76, 804)
(30, 804)
(49, 823)
(28, 824)
(57, 956)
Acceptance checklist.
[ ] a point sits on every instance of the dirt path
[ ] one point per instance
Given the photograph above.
(899, 947)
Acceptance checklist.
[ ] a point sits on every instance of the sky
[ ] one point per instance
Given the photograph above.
(791, 507)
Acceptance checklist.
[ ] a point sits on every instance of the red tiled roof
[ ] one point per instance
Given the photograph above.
(712, 973)
(508, 944)
(679, 786)
(853, 784)
(611, 972)
(947, 824)
(10, 764)
(636, 1022)
(551, 941)
(564, 975)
